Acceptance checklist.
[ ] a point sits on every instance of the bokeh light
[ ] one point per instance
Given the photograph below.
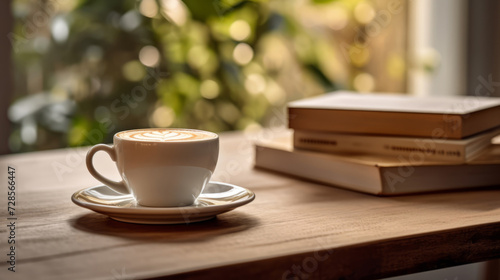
(396, 66)
(275, 94)
(60, 29)
(148, 8)
(359, 55)
(149, 56)
(175, 11)
(252, 128)
(337, 18)
(130, 20)
(364, 12)
(240, 30)
(255, 84)
(364, 82)
(162, 117)
(242, 53)
(428, 59)
(209, 89)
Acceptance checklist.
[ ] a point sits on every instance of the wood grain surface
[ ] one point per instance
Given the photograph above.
(293, 228)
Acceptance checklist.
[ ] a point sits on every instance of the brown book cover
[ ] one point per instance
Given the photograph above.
(379, 175)
(396, 115)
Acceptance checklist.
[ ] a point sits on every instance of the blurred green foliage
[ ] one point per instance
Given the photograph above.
(86, 69)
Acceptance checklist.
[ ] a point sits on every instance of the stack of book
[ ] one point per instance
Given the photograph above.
(389, 144)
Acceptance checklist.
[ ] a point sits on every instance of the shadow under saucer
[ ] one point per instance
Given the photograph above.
(224, 224)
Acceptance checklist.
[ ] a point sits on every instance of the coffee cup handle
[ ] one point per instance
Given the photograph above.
(115, 185)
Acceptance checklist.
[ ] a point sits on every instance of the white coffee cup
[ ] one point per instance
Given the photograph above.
(161, 167)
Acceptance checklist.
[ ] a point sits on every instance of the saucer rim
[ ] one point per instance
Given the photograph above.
(164, 210)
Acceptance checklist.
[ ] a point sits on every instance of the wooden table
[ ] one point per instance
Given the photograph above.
(293, 228)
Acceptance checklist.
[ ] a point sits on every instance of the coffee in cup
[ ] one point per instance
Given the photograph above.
(161, 167)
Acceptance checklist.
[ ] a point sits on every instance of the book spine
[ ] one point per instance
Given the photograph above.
(420, 149)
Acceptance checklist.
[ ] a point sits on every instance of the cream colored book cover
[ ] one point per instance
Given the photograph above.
(379, 175)
(461, 150)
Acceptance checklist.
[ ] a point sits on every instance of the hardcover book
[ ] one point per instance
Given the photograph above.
(397, 115)
(377, 174)
(453, 150)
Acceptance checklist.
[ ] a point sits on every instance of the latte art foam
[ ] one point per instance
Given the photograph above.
(165, 135)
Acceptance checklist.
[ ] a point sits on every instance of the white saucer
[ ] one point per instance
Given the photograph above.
(215, 199)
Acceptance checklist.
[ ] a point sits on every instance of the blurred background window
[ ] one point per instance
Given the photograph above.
(85, 69)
